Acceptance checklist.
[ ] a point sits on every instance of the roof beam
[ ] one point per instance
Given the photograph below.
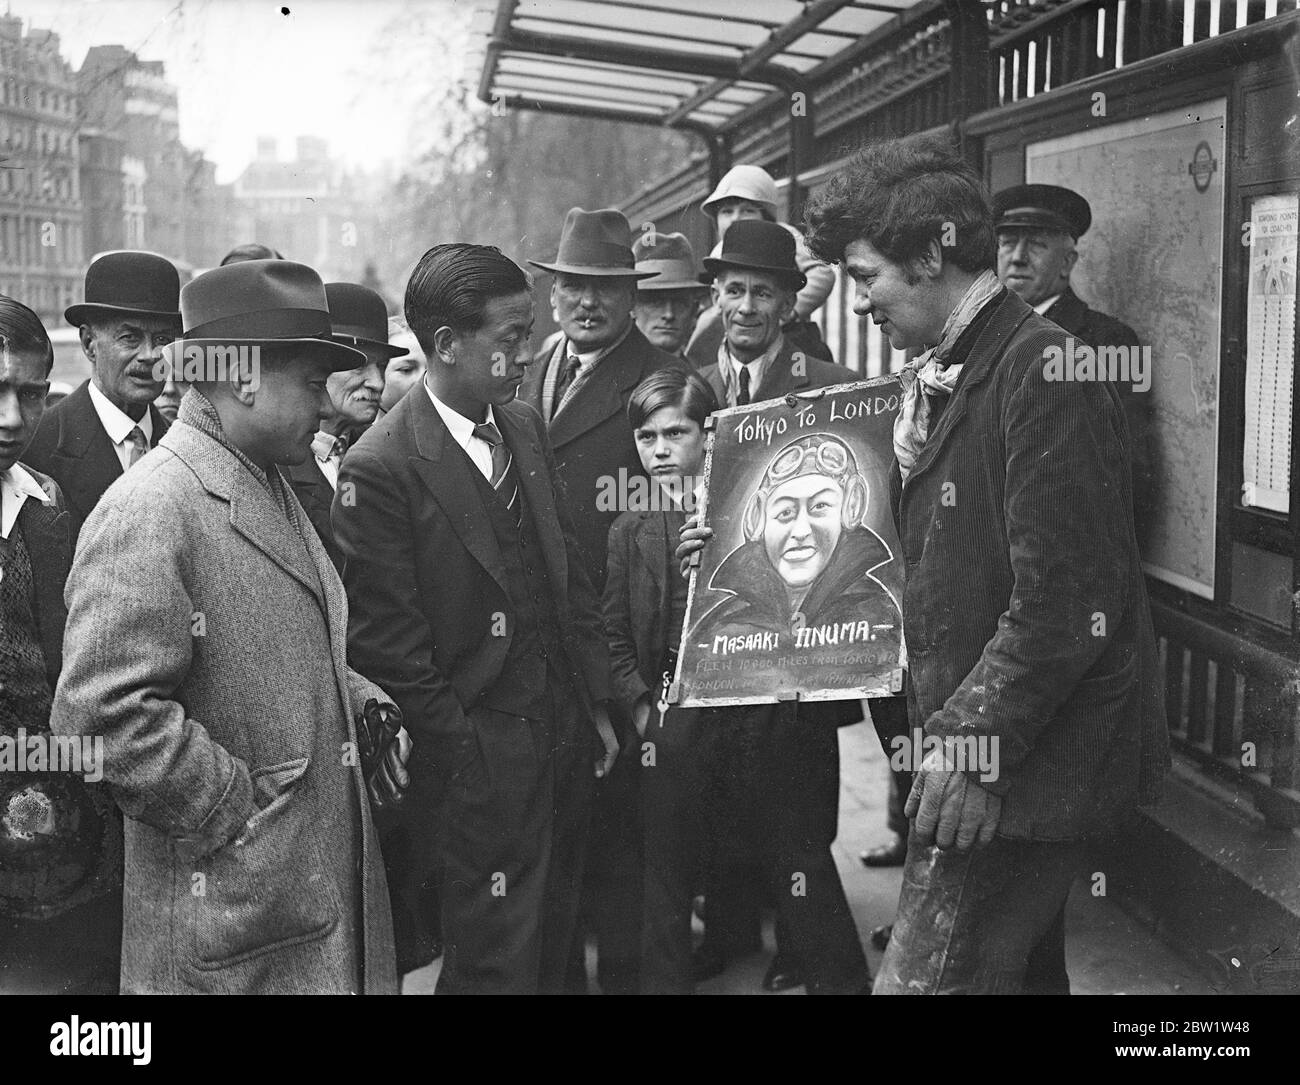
(653, 35)
(609, 70)
(766, 24)
(704, 64)
(814, 14)
(500, 30)
(717, 145)
(756, 70)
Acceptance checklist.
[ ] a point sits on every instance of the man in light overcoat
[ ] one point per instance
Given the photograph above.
(206, 643)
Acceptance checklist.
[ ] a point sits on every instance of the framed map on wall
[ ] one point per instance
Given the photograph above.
(1154, 259)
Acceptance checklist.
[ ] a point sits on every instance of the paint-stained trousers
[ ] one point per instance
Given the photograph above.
(990, 920)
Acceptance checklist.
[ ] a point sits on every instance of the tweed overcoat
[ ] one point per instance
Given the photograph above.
(206, 643)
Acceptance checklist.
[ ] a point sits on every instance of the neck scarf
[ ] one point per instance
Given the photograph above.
(197, 410)
(757, 369)
(929, 372)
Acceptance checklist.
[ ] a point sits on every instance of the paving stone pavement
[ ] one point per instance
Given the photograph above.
(1107, 950)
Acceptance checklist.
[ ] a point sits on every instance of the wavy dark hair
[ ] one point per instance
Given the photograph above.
(899, 195)
(21, 329)
(672, 386)
(452, 285)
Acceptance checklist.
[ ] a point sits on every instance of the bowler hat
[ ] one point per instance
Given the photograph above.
(140, 284)
(265, 303)
(669, 258)
(1042, 207)
(595, 243)
(359, 318)
(759, 245)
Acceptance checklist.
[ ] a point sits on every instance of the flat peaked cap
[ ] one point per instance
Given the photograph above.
(595, 243)
(359, 318)
(1044, 207)
(267, 302)
(759, 245)
(141, 284)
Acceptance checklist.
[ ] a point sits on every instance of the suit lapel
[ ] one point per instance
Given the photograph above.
(780, 379)
(91, 460)
(47, 532)
(601, 395)
(311, 486)
(1067, 311)
(539, 497)
(333, 598)
(530, 391)
(651, 545)
(444, 468)
(713, 375)
(254, 515)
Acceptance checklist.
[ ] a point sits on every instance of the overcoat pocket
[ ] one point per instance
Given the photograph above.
(269, 888)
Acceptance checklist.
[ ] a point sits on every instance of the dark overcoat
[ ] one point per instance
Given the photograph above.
(71, 446)
(592, 437)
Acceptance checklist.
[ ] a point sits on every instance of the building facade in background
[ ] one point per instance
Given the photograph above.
(168, 195)
(42, 255)
(310, 209)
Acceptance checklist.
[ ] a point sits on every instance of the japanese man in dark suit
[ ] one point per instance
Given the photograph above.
(473, 608)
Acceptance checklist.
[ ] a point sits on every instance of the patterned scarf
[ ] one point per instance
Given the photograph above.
(929, 372)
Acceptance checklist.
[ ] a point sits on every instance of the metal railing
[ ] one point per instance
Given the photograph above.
(1234, 708)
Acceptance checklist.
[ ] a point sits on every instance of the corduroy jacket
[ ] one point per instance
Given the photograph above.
(1025, 610)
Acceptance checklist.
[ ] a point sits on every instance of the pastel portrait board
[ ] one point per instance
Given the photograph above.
(798, 594)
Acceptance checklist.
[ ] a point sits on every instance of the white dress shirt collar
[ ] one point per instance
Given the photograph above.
(591, 357)
(1042, 307)
(462, 429)
(117, 424)
(16, 486)
(327, 449)
(730, 369)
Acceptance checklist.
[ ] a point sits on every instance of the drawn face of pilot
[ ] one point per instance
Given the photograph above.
(801, 527)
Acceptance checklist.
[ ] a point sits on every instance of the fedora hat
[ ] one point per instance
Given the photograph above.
(262, 303)
(359, 318)
(1042, 207)
(129, 284)
(759, 245)
(670, 260)
(595, 243)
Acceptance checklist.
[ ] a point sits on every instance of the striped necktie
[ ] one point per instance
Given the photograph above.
(567, 376)
(139, 446)
(505, 480)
